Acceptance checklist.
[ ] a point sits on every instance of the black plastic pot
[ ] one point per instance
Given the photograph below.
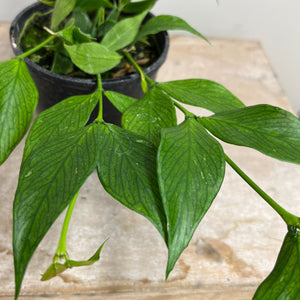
(53, 87)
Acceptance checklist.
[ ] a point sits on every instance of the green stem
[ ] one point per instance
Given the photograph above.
(99, 92)
(38, 47)
(140, 71)
(289, 219)
(145, 79)
(61, 251)
(185, 111)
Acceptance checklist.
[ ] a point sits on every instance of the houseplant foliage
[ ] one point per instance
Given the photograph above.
(170, 173)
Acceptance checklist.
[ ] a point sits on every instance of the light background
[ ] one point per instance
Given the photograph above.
(275, 23)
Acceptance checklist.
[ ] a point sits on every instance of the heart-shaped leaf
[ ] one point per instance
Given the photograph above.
(191, 169)
(284, 280)
(123, 33)
(93, 58)
(127, 171)
(18, 100)
(150, 114)
(202, 93)
(268, 129)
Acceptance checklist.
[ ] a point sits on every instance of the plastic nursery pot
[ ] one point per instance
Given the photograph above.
(53, 87)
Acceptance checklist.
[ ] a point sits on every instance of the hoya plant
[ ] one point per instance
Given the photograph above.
(168, 172)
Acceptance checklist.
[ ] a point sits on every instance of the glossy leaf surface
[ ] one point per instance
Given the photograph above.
(60, 119)
(120, 101)
(150, 114)
(166, 22)
(93, 58)
(55, 165)
(202, 93)
(191, 168)
(127, 171)
(62, 9)
(268, 129)
(284, 281)
(123, 33)
(18, 100)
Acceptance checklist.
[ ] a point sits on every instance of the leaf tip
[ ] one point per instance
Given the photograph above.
(170, 265)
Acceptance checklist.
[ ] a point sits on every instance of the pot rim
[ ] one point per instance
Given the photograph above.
(87, 81)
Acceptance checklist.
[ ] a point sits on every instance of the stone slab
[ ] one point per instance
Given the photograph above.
(233, 249)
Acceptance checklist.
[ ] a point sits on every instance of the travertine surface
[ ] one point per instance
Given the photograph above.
(233, 249)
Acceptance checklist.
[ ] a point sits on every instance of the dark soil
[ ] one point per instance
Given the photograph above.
(34, 33)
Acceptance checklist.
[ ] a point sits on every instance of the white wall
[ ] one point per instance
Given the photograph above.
(10, 8)
(275, 23)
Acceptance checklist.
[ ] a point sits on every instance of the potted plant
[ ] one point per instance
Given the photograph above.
(170, 173)
(57, 78)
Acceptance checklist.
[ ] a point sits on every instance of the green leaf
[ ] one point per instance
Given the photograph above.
(51, 174)
(81, 37)
(67, 33)
(123, 33)
(82, 20)
(60, 119)
(61, 10)
(191, 169)
(73, 34)
(62, 64)
(127, 171)
(138, 7)
(53, 270)
(122, 4)
(202, 93)
(110, 21)
(166, 22)
(283, 282)
(268, 129)
(150, 114)
(93, 58)
(120, 101)
(93, 4)
(18, 100)
(105, 27)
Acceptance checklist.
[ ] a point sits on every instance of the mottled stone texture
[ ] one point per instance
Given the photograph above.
(233, 249)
